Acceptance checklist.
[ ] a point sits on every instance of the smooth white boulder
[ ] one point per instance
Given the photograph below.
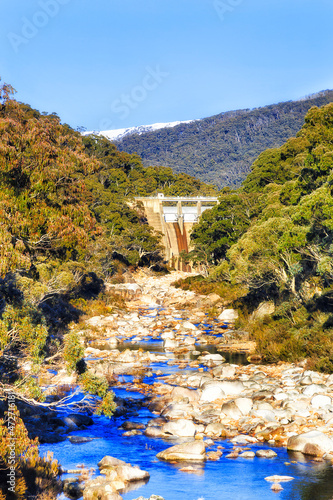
(194, 450)
(228, 315)
(212, 392)
(313, 443)
(181, 428)
(231, 410)
(320, 401)
(244, 405)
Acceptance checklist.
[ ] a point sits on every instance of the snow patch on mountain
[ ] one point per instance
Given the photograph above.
(120, 133)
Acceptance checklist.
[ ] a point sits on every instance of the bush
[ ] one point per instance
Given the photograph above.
(73, 351)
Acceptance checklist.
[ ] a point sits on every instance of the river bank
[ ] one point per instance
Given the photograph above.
(166, 361)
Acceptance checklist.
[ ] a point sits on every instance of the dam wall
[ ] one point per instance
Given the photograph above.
(174, 217)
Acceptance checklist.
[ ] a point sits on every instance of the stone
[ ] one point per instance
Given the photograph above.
(80, 439)
(320, 401)
(244, 405)
(264, 309)
(181, 428)
(212, 392)
(231, 410)
(170, 344)
(215, 430)
(110, 462)
(247, 454)
(128, 473)
(278, 479)
(193, 450)
(243, 439)
(228, 316)
(232, 387)
(313, 443)
(178, 393)
(188, 325)
(100, 488)
(312, 389)
(266, 453)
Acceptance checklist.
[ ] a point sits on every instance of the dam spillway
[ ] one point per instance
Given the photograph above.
(174, 217)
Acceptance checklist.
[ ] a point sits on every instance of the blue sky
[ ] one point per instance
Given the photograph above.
(119, 63)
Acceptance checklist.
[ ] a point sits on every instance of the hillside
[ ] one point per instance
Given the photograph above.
(221, 149)
(271, 240)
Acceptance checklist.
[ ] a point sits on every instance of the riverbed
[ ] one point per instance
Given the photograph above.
(224, 478)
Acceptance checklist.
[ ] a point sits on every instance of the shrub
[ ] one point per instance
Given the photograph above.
(73, 351)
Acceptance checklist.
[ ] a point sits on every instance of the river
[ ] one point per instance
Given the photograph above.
(239, 478)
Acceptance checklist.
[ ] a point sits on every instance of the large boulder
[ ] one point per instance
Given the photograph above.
(313, 443)
(178, 393)
(211, 392)
(231, 410)
(100, 488)
(228, 315)
(244, 405)
(128, 473)
(231, 387)
(191, 451)
(181, 428)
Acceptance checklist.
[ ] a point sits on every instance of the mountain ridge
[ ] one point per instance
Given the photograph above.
(220, 149)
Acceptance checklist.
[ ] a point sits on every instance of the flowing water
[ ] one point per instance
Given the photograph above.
(236, 479)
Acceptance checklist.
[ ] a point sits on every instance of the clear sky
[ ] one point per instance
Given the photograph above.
(107, 64)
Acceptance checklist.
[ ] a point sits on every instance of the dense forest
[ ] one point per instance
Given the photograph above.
(272, 241)
(68, 222)
(221, 149)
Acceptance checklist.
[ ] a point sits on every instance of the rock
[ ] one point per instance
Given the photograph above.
(129, 426)
(110, 462)
(100, 488)
(266, 453)
(212, 392)
(170, 344)
(247, 454)
(278, 479)
(215, 430)
(215, 358)
(243, 439)
(313, 443)
(232, 387)
(188, 326)
(181, 428)
(79, 439)
(193, 450)
(312, 389)
(228, 315)
(81, 421)
(320, 401)
(276, 487)
(72, 488)
(244, 405)
(264, 309)
(178, 393)
(231, 410)
(128, 473)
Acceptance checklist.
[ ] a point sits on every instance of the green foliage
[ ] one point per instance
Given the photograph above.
(273, 239)
(220, 149)
(33, 474)
(73, 351)
(99, 386)
(221, 226)
(107, 406)
(92, 384)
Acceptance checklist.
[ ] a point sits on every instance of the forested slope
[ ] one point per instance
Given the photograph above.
(272, 240)
(220, 149)
(68, 222)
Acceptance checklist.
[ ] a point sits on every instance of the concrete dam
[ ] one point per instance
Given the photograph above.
(174, 217)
